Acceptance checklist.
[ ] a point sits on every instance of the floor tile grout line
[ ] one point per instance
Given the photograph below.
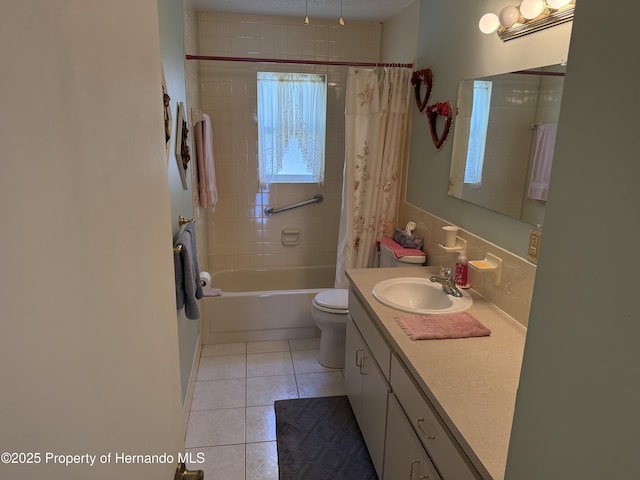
(246, 396)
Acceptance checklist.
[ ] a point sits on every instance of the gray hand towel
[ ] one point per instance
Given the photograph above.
(187, 273)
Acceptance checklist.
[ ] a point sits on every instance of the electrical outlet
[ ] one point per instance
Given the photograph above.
(535, 238)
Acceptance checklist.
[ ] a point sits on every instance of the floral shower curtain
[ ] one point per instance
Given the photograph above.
(376, 132)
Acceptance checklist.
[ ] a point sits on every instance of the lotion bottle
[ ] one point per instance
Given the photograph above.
(462, 271)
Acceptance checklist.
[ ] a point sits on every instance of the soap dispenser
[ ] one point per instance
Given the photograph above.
(462, 271)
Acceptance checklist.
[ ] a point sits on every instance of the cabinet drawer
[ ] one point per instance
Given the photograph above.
(444, 450)
(376, 343)
(405, 457)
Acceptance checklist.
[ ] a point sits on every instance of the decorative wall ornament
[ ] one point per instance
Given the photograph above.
(440, 109)
(166, 105)
(182, 153)
(417, 79)
(433, 111)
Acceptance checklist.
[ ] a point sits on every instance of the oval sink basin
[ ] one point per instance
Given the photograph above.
(419, 295)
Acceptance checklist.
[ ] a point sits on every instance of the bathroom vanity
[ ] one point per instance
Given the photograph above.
(436, 409)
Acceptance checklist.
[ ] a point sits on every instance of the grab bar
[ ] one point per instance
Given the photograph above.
(317, 198)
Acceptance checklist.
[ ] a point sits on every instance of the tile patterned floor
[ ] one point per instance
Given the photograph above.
(232, 421)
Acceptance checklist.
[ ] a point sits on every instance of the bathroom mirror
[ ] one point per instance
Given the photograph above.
(503, 140)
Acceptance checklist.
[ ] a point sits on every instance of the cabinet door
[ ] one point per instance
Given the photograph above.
(375, 392)
(405, 458)
(354, 351)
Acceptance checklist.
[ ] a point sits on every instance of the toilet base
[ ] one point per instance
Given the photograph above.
(331, 354)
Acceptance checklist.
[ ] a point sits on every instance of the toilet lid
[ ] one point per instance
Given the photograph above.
(334, 299)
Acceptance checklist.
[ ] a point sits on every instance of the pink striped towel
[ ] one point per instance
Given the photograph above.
(441, 326)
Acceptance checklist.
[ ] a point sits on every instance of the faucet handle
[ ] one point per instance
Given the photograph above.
(445, 272)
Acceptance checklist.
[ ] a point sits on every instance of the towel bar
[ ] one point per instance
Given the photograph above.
(317, 198)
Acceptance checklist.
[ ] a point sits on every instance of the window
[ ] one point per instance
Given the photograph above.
(292, 110)
(478, 132)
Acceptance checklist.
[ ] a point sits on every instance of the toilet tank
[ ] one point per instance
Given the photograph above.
(388, 259)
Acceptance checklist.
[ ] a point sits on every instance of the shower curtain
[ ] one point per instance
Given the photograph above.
(376, 133)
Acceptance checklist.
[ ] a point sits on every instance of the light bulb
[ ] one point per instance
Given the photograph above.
(341, 22)
(508, 16)
(556, 4)
(489, 23)
(532, 8)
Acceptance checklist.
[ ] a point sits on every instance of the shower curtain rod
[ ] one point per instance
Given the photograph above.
(297, 62)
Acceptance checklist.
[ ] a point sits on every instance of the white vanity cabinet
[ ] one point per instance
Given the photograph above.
(405, 456)
(451, 402)
(442, 448)
(405, 436)
(365, 383)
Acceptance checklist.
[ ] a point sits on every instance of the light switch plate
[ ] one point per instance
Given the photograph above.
(535, 238)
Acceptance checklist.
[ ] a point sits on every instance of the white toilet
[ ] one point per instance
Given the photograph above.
(388, 258)
(330, 308)
(329, 311)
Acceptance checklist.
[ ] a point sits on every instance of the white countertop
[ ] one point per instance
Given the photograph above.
(471, 381)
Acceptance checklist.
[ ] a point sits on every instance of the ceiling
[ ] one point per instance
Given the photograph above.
(368, 10)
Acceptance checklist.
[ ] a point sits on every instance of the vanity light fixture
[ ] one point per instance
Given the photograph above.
(529, 17)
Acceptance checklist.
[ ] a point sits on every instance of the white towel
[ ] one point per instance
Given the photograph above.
(207, 190)
(542, 160)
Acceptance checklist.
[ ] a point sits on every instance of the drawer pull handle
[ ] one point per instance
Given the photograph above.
(411, 469)
(424, 434)
(362, 371)
(423, 476)
(358, 361)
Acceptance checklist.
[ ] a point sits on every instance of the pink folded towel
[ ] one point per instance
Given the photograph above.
(437, 327)
(398, 250)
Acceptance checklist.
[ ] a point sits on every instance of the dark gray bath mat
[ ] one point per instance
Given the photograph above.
(319, 439)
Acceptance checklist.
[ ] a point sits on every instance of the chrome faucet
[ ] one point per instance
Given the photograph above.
(447, 281)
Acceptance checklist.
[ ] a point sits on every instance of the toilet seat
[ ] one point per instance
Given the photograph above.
(335, 300)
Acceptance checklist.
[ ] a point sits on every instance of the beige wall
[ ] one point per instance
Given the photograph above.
(452, 45)
(576, 411)
(400, 35)
(239, 234)
(170, 15)
(88, 337)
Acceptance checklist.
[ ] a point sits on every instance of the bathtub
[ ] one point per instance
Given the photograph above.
(263, 304)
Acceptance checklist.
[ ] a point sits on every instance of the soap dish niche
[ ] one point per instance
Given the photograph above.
(290, 236)
(490, 263)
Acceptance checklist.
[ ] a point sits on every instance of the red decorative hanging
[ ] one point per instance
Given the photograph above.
(440, 109)
(417, 79)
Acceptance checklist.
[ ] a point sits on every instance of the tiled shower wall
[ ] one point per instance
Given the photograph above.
(239, 233)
